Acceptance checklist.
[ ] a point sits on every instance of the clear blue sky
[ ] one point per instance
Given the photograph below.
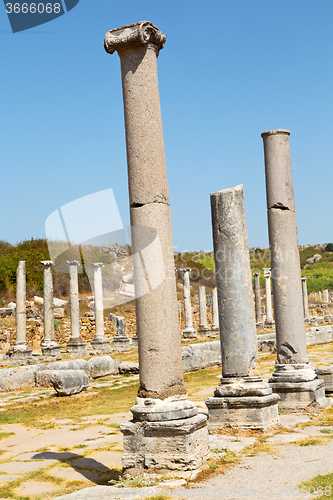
(229, 71)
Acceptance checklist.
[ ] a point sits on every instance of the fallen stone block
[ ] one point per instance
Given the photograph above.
(68, 382)
(75, 364)
(19, 377)
(127, 367)
(198, 356)
(102, 367)
(43, 378)
(319, 335)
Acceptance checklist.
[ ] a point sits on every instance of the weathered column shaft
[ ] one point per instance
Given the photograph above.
(325, 295)
(187, 298)
(215, 310)
(21, 304)
(257, 297)
(156, 310)
(74, 299)
(305, 298)
(48, 301)
(269, 310)
(234, 285)
(202, 307)
(285, 263)
(98, 299)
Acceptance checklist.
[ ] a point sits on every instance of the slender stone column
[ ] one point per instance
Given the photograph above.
(20, 350)
(293, 379)
(203, 327)
(325, 295)
(161, 373)
(269, 322)
(320, 297)
(76, 345)
(257, 298)
(242, 399)
(305, 299)
(100, 343)
(50, 349)
(189, 331)
(215, 311)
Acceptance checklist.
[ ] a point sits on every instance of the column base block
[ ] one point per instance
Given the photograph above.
(325, 373)
(100, 345)
(269, 324)
(300, 395)
(20, 353)
(120, 344)
(134, 340)
(245, 412)
(165, 445)
(204, 331)
(77, 348)
(190, 333)
(51, 352)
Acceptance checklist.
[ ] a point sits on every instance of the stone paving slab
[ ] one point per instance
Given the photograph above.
(286, 438)
(219, 441)
(34, 488)
(23, 467)
(4, 478)
(71, 474)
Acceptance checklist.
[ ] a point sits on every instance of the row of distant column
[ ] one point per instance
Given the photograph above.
(49, 347)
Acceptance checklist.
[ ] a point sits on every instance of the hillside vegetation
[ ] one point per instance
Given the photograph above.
(320, 274)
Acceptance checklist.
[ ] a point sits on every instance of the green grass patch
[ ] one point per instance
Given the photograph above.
(319, 484)
(4, 435)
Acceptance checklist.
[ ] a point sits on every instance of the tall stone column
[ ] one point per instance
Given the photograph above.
(76, 346)
(100, 343)
(305, 299)
(293, 378)
(50, 349)
(189, 331)
(215, 312)
(161, 401)
(203, 327)
(269, 322)
(257, 298)
(20, 350)
(242, 400)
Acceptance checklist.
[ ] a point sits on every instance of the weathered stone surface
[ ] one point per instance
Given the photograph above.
(13, 379)
(300, 395)
(199, 356)
(77, 364)
(156, 410)
(319, 335)
(6, 311)
(43, 378)
(257, 297)
(68, 382)
(233, 276)
(127, 367)
(59, 312)
(256, 412)
(174, 444)
(102, 366)
(325, 373)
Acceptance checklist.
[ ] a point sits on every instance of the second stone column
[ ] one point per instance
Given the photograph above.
(242, 400)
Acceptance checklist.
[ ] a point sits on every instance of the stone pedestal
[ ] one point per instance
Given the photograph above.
(298, 386)
(20, 350)
(164, 435)
(257, 299)
(76, 346)
(293, 379)
(189, 331)
(325, 373)
(159, 343)
(242, 400)
(203, 327)
(50, 349)
(243, 403)
(100, 344)
(120, 342)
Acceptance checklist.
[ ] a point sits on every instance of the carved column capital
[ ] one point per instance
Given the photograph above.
(133, 35)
